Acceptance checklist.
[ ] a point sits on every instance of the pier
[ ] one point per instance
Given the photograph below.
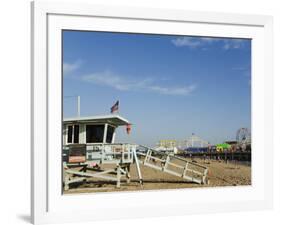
(226, 156)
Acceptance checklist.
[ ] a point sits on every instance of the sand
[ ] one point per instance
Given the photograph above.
(220, 174)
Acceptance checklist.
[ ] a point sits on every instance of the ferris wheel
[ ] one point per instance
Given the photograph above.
(243, 135)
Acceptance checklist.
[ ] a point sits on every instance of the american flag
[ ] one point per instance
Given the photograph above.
(115, 107)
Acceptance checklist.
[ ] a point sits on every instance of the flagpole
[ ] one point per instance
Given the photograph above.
(78, 109)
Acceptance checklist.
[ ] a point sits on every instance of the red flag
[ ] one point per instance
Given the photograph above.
(128, 128)
(115, 107)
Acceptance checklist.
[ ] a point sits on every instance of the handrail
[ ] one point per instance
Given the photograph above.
(167, 160)
(176, 157)
(198, 165)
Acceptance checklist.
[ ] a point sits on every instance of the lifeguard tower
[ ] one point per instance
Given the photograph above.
(89, 142)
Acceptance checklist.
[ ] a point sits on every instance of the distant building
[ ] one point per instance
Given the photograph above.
(167, 146)
(167, 143)
(195, 144)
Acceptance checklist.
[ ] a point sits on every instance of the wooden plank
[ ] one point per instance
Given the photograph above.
(173, 172)
(175, 165)
(106, 171)
(205, 176)
(194, 171)
(91, 175)
(185, 168)
(198, 165)
(179, 158)
(147, 155)
(123, 171)
(118, 182)
(155, 158)
(153, 166)
(198, 181)
(140, 153)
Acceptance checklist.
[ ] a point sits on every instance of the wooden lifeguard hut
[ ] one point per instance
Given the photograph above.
(92, 130)
(89, 142)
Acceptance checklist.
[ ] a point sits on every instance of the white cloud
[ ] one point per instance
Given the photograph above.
(173, 90)
(233, 44)
(117, 82)
(70, 67)
(192, 42)
(203, 42)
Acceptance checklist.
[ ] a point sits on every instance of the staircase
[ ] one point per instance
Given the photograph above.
(173, 165)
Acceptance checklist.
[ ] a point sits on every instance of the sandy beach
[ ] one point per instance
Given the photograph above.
(220, 174)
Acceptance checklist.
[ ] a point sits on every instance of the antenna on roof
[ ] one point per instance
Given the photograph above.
(78, 105)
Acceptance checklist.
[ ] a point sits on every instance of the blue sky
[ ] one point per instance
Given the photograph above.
(168, 86)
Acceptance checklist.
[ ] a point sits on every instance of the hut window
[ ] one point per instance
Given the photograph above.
(109, 135)
(76, 134)
(94, 133)
(69, 134)
(73, 134)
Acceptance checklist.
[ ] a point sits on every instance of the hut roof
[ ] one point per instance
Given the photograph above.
(113, 119)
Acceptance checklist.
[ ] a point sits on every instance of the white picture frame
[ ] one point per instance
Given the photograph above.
(47, 203)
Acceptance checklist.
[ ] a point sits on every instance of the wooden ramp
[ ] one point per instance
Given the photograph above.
(173, 165)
